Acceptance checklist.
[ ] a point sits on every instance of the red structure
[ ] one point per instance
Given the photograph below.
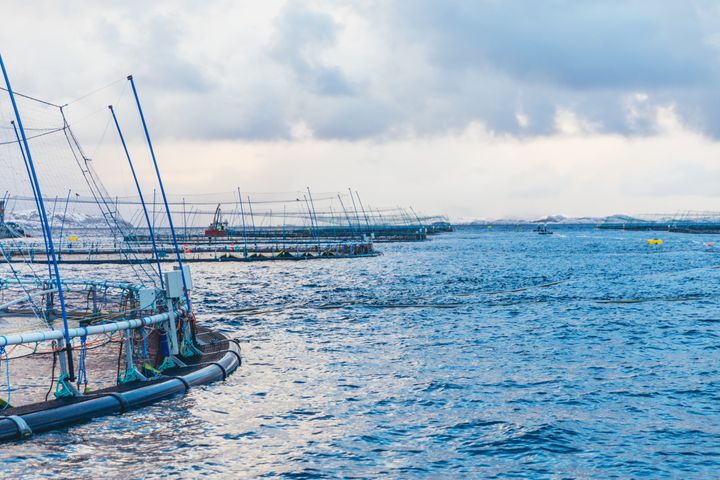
(217, 228)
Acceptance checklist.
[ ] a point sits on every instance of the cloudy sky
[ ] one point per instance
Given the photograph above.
(478, 109)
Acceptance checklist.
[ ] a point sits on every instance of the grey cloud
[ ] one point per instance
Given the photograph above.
(493, 60)
(585, 56)
(165, 65)
(302, 35)
(633, 44)
(153, 47)
(449, 63)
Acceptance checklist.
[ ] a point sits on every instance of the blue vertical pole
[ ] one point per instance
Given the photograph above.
(142, 200)
(154, 205)
(62, 225)
(357, 216)
(352, 230)
(362, 207)
(37, 205)
(313, 213)
(252, 218)
(242, 216)
(162, 191)
(283, 229)
(313, 232)
(43, 215)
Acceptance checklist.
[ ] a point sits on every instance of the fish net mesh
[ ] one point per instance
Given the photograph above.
(60, 332)
(30, 369)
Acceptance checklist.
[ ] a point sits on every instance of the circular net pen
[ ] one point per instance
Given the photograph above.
(129, 345)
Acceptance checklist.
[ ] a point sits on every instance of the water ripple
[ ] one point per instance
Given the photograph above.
(479, 354)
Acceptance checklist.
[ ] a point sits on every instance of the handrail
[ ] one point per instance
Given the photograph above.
(35, 337)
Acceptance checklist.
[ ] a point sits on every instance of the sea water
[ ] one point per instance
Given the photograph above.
(483, 353)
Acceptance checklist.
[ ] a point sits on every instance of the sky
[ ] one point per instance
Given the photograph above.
(475, 109)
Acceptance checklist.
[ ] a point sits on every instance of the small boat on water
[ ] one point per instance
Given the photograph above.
(543, 230)
(218, 227)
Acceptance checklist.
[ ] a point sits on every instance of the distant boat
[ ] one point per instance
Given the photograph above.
(217, 228)
(543, 230)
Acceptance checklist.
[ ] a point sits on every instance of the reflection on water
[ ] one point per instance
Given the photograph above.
(480, 353)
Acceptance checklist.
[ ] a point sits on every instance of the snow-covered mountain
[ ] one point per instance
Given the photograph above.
(30, 220)
(554, 219)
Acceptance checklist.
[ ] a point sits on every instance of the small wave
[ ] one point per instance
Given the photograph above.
(546, 438)
(473, 424)
(414, 305)
(652, 299)
(441, 386)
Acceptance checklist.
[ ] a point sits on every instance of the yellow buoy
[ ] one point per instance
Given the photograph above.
(655, 241)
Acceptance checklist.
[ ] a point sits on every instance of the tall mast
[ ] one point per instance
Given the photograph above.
(313, 232)
(418, 218)
(352, 230)
(62, 225)
(35, 196)
(142, 199)
(43, 215)
(162, 191)
(314, 213)
(242, 216)
(184, 220)
(357, 217)
(252, 219)
(153, 208)
(283, 228)
(367, 222)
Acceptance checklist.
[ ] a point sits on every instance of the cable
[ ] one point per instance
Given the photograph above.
(52, 371)
(33, 136)
(7, 376)
(93, 92)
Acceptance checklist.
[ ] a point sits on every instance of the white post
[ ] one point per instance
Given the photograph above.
(173, 343)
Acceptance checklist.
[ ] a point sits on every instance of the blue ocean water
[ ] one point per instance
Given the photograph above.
(483, 353)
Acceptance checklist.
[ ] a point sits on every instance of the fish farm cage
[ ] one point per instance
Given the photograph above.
(233, 217)
(251, 231)
(73, 346)
(104, 251)
(683, 222)
(125, 346)
(134, 225)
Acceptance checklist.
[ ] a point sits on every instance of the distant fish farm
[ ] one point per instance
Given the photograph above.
(684, 222)
(268, 229)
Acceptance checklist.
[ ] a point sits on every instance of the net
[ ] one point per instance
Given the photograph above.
(59, 328)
